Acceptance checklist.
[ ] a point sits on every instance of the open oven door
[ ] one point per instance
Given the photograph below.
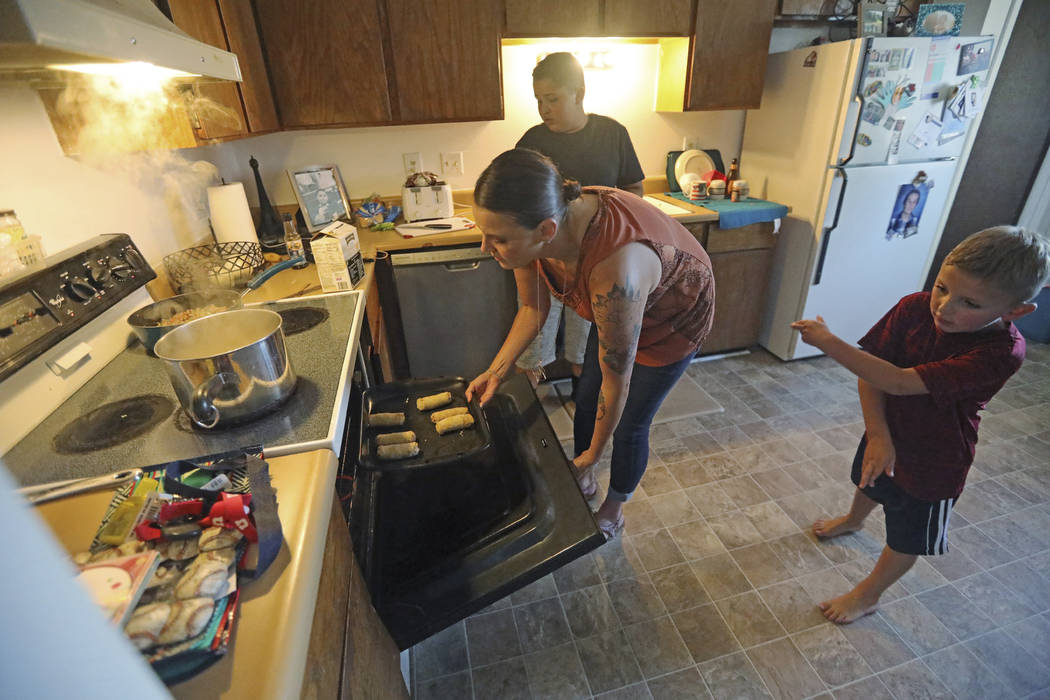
(440, 543)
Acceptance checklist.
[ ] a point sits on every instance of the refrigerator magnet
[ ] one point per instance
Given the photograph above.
(907, 210)
(873, 112)
(863, 139)
(895, 59)
(975, 57)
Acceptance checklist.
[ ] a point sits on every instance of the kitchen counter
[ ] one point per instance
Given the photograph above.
(271, 639)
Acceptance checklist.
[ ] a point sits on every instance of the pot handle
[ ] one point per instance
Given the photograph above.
(256, 282)
(202, 410)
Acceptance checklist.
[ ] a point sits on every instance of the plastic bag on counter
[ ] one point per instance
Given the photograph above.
(210, 520)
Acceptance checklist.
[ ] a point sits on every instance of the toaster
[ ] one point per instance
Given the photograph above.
(429, 202)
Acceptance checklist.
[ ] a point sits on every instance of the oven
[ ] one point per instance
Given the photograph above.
(82, 397)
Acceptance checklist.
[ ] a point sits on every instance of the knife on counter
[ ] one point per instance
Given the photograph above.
(437, 226)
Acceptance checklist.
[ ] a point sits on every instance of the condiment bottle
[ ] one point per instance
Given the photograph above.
(293, 241)
(733, 174)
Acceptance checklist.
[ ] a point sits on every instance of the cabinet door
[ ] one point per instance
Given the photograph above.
(202, 21)
(652, 18)
(741, 282)
(243, 38)
(553, 18)
(729, 53)
(325, 61)
(446, 59)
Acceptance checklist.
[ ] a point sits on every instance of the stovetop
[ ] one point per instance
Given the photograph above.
(121, 435)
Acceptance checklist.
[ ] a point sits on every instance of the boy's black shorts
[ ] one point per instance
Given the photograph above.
(912, 526)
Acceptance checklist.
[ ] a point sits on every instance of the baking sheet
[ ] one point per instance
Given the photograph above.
(434, 449)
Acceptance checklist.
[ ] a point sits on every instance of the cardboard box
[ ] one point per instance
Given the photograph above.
(337, 256)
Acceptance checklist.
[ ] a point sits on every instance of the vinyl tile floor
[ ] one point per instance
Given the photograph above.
(712, 590)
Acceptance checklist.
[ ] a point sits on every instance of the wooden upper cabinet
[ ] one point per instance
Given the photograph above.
(223, 116)
(650, 18)
(553, 18)
(243, 38)
(446, 59)
(326, 61)
(728, 63)
(543, 18)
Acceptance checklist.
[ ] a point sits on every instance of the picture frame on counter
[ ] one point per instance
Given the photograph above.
(321, 195)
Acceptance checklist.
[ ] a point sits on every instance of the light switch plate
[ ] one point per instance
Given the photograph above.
(413, 162)
(452, 163)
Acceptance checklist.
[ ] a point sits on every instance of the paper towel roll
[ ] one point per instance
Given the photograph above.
(230, 217)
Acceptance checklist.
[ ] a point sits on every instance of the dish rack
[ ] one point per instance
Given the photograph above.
(226, 265)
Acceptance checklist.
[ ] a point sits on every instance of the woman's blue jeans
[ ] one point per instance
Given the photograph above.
(648, 388)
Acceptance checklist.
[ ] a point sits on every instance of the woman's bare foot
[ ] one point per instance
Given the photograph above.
(610, 518)
(834, 527)
(848, 607)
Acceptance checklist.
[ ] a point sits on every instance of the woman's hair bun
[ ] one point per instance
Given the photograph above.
(570, 190)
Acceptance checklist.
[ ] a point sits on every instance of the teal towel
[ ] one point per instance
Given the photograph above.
(736, 214)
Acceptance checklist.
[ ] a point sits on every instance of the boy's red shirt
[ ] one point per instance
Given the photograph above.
(935, 434)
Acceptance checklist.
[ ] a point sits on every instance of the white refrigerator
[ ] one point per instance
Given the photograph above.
(861, 140)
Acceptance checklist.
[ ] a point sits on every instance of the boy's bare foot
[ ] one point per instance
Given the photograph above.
(848, 607)
(834, 527)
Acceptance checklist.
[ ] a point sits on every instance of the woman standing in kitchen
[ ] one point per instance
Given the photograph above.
(589, 148)
(643, 280)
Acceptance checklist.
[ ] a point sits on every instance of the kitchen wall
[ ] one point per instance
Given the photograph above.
(370, 158)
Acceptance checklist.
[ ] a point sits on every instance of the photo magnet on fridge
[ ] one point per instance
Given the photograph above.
(873, 112)
(907, 210)
(975, 57)
(939, 19)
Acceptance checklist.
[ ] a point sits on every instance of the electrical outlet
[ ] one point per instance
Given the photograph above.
(413, 162)
(452, 163)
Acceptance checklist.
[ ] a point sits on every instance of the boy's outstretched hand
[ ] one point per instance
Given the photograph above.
(815, 333)
(879, 458)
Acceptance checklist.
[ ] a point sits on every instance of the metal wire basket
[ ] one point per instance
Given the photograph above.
(226, 265)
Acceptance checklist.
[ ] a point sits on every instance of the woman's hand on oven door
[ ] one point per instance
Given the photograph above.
(484, 386)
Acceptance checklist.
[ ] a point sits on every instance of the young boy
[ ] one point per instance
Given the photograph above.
(924, 371)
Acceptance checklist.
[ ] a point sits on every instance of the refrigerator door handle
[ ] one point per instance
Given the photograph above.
(858, 101)
(826, 238)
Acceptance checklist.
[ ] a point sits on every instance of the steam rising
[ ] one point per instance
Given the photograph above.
(130, 127)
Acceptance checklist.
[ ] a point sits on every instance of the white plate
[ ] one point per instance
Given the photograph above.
(692, 161)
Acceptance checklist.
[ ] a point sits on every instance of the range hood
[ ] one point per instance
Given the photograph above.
(40, 34)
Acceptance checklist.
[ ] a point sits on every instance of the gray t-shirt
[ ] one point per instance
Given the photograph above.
(600, 153)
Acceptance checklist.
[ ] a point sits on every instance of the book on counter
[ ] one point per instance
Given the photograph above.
(116, 585)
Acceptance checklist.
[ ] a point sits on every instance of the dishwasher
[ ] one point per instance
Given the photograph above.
(457, 305)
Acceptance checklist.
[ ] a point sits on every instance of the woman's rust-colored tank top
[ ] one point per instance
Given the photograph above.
(678, 313)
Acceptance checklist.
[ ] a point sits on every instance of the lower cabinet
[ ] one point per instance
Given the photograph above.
(741, 259)
(351, 654)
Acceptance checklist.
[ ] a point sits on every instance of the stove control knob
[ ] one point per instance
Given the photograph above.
(100, 274)
(79, 289)
(135, 259)
(122, 273)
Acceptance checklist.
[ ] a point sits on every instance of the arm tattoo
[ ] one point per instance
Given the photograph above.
(618, 332)
(601, 406)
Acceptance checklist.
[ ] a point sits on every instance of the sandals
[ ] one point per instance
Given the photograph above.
(611, 529)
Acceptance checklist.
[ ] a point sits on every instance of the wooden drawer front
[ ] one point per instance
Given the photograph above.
(750, 237)
(741, 283)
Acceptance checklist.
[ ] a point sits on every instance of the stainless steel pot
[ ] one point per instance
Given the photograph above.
(152, 322)
(228, 367)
